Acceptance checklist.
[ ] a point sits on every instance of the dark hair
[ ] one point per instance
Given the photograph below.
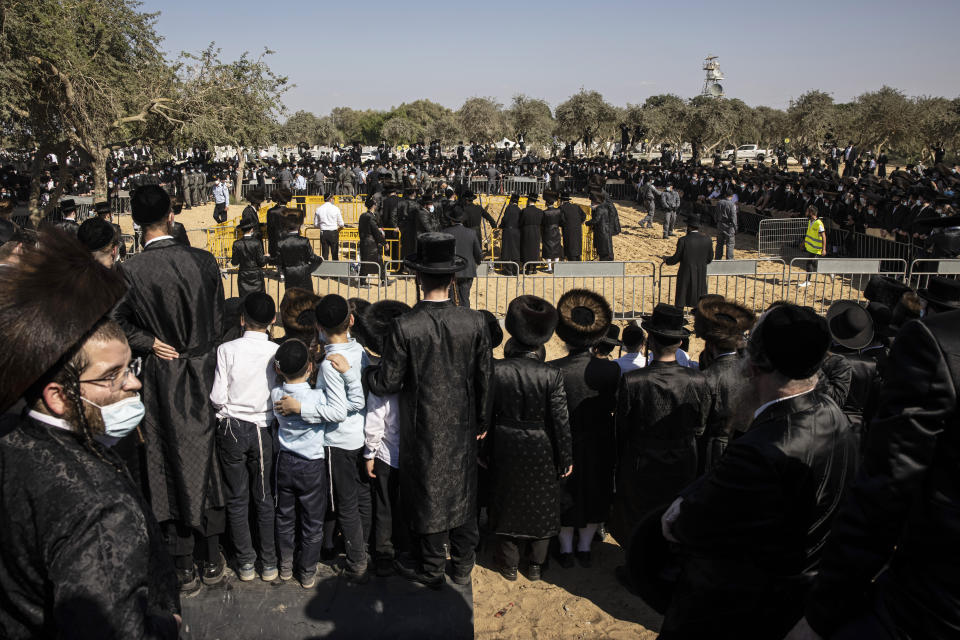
(435, 280)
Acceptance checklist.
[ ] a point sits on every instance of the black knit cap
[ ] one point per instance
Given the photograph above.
(291, 357)
(96, 234)
(331, 311)
(794, 340)
(259, 307)
(149, 204)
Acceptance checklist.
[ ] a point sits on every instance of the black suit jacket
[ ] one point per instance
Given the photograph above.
(468, 247)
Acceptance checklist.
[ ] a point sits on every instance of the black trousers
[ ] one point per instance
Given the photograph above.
(389, 530)
(302, 484)
(463, 285)
(330, 244)
(509, 548)
(246, 459)
(181, 538)
(220, 212)
(463, 544)
(350, 491)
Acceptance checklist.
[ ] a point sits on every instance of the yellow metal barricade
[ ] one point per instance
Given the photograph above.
(350, 243)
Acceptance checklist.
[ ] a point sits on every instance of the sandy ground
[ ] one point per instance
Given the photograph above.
(577, 602)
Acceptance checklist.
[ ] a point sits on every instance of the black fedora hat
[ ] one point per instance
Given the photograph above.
(942, 292)
(68, 205)
(851, 326)
(436, 254)
(666, 322)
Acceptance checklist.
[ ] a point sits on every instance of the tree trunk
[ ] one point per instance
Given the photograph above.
(36, 170)
(238, 182)
(98, 164)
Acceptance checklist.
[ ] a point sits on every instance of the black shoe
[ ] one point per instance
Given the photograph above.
(357, 578)
(583, 557)
(383, 567)
(189, 582)
(213, 571)
(413, 575)
(462, 577)
(533, 572)
(510, 573)
(565, 560)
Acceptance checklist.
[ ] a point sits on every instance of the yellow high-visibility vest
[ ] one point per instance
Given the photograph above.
(812, 242)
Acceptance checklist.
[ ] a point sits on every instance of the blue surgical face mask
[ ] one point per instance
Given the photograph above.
(120, 418)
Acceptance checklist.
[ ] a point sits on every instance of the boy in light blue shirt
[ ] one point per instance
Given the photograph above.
(344, 436)
(300, 471)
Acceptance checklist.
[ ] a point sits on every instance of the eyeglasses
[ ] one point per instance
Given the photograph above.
(116, 380)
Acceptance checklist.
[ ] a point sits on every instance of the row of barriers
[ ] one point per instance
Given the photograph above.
(633, 288)
(783, 238)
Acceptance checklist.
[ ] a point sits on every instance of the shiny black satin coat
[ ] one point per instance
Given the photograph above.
(725, 380)
(371, 243)
(550, 234)
(528, 448)
(694, 252)
(661, 410)
(438, 358)
(835, 377)
(591, 387)
(572, 224)
(81, 556)
(176, 294)
(297, 261)
(903, 510)
(752, 530)
(274, 229)
(248, 256)
(530, 221)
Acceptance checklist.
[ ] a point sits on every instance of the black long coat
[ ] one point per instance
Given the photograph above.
(371, 242)
(248, 256)
(297, 261)
(725, 381)
(529, 447)
(661, 409)
(694, 252)
(752, 531)
(474, 215)
(531, 219)
(572, 224)
(251, 216)
(606, 224)
(438, 358)
(591, 387)
(176, 294)
(510, 234)
(72, 524)
(274, 229)
(550, 232)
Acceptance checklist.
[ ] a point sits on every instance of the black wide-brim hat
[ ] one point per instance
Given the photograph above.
(584, 317)
(666, 322)
(851, 326)
(436, 254)
(652, 567)
(942, 291)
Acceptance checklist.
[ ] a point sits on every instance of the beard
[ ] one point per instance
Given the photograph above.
(92, 415)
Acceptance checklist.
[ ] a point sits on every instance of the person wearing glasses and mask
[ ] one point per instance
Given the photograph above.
(80, 551)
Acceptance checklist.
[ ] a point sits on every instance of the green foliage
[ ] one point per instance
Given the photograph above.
(586, 111)
(481, 120)
(532, 117)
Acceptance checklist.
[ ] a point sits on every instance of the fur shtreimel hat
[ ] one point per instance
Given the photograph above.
(372, 327)
(56, 295)
(295, 302)
(531, 320)
(584, 317)
(721, 322)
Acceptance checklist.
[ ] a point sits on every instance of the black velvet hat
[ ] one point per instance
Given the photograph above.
(436, 255)
(666, 322)
(468, 196)
(531, 320)
(584, 317)
(331, 311)
(942, 292)
(255, 195)
(149, 204)
(850, 324)
(291, 357)
(96, 234)
(68, 206)
(101, 208)
(531, 198)
(493, 327)
(373, 324)
(792, 340)
(259, 307)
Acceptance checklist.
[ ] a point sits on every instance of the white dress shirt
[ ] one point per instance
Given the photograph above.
(764, 406)
(328, 217)
(631, 361)
(244, 378)
(381, 430)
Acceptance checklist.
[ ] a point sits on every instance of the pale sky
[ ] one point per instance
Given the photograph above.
(379, 54)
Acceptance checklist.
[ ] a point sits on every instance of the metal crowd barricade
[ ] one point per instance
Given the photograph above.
(620, 190)
(922, 268)
(781, 237)
(860, 245)
(629, 286)
(820, 282)
(523, 186)
(349, 246)
(752, 283)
